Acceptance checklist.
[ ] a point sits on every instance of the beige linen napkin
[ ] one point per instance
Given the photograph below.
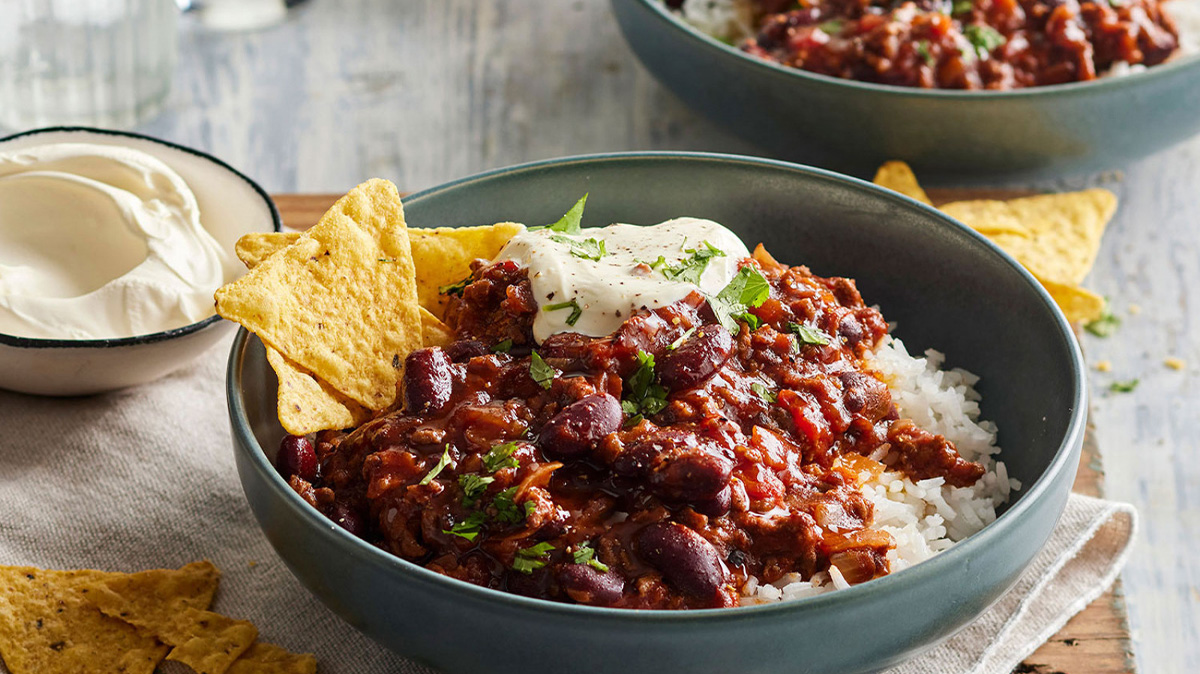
(145, 478)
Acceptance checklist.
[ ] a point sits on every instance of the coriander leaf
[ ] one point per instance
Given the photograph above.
(807, 335)
(1123, 386)
(749, 319)
(691, 269)
(588, 249)
(984, 38)
(507, 510)
(503, 347)
(1104, 326)
(455, 288)
(576, 311)
(832, 27)
(962, 6)
(584, 554)
(530, 506)
(645, 398)
(541, 372)
(569, 223)
(763, 392)
(745, 290)
(473, 487)
(922, 50)
(682, 338)
(437, 468)
(531, 558)
(500, 456)
(468, 528)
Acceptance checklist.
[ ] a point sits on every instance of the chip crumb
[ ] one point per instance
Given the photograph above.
(252, 564)
(1104, 366)
(1175, 363)
(1135, 309)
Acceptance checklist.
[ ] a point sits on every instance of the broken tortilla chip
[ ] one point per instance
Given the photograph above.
(271, 659)
(898, 177)
(340, 301)
(443, 257)
(1079, 305)
(255, 247)
(306, 404)
(48, 625)
(1056, 236)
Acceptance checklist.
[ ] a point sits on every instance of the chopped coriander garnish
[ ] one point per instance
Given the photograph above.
(455, 288)
(500, 457)
(533, 557)
(437, 468)
(749, 319)
(922, 50)
(468, 528)
(645, 398)
(507, 510)
(682, 338)
(1123, 386)
(691, 269)
(1104, 326)
(832, 27)
(569, 223)
(576, 310)
(541, 372)
(763, 392)
(588, 249)
(962, 6)
(584, 554)
(503, 347)
(386, 259)
(807, 335)
(984, 38)
(746, 290)
(473, 487)
(530, 506)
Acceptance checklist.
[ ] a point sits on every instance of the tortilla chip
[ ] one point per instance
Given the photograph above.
(270, 659)
(898, 177)
(443, 256)
(49, 625)
(307, 404)
(1056, 236)
(255, 247)
(340, 302)
(208, 642)
(433, 331)
(1079, 305)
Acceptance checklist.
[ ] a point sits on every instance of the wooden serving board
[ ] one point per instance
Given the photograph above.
(1097, 641)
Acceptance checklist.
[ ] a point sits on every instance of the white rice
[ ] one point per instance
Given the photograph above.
(927, 516)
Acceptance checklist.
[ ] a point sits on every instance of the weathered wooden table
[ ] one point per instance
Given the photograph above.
(424, 91)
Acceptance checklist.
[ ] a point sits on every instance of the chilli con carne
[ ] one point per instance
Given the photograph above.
(658, 467)
(961, 44)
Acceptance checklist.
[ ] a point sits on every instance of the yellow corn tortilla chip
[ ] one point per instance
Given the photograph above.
(307, 404)
(209, 642)
(270, 659)
(341, 301)
(898, 177)
(255, 247)
(443, 256)
(1079, 305)
(1056, 236)
(49, 625)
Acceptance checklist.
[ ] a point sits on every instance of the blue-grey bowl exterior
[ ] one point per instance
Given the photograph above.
(854, 126)
(945, 286)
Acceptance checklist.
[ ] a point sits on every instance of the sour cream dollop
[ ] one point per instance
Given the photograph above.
(627, 277)
(99, 242)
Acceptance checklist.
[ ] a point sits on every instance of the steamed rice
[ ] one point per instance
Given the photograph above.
(924, 517)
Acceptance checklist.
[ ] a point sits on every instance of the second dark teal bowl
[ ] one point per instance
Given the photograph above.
(855, 126)
(944, 285)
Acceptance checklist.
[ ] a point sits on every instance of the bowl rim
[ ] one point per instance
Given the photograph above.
(1179, 62)
(151, 337)
(924, 573)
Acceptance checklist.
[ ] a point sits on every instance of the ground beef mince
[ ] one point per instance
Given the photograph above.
(658, 467)
(960, 44)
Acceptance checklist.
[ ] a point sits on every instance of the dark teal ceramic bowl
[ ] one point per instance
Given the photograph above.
(946, 286)
(855, 126)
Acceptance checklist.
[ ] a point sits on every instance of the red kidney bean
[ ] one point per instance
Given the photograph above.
(347, 518)
(851, 330)
(577, 428)
(297, 457)
(586, 585)
(717, 505)
(696, 359)
(866, 395)
(428, 381)
(692, 477)
(685, 558)
(465, 349)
